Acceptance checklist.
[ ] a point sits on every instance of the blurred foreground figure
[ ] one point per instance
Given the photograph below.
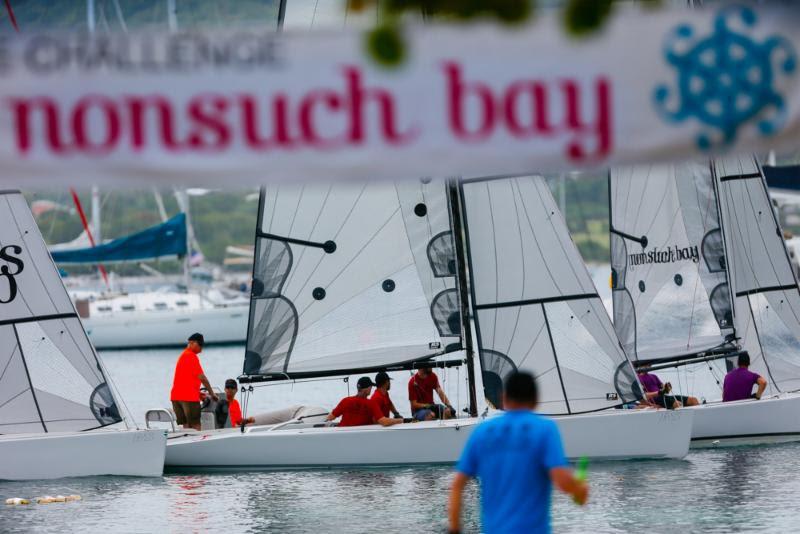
(516, 457)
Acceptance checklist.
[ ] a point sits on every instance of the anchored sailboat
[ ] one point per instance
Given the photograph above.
(699, 273)
(354, 278)
(55, 401)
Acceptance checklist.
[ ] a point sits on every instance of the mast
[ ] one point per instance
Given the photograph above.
(456, 224)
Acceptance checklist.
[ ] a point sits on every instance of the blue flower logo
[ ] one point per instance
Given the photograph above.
(725, 79)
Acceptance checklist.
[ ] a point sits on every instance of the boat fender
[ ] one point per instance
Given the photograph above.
(71, 498)
(47, 499)
(17, 500)
(59, 498)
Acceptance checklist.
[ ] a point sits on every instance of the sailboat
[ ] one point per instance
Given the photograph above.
(354, 278)
(117, 319)
(700, 272)
(56, 405)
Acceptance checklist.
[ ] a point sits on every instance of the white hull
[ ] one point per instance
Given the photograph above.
(616, 434)
(79, 454)
(154, 328)
(749, 422)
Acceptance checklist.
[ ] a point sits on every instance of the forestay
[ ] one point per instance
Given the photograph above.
(50, 377)
(669, 284)
(766, 298)
(335, 284)
(534, 303)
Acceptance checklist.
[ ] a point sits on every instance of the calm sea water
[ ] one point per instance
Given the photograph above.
(742, 489)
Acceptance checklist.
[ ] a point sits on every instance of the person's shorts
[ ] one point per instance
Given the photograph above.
(437, 410)
(668, 401)
(187, 413)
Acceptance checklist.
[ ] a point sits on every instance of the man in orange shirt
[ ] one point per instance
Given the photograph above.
(234, 410)
(381, 395)
(359, 410)
(185, 394)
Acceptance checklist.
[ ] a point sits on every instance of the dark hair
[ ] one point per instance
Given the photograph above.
(231, 384)
(521, 387)
(744, 359)
(381, 378)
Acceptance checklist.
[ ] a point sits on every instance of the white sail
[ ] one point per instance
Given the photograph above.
(426, 214)
(50, 377)
(669, 283)
(535, 306)
(766, 297)
(335, 285)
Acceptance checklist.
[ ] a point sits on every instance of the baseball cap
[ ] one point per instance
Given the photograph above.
(198, 337)
(381, 378)
(231, 384)
(365, 382)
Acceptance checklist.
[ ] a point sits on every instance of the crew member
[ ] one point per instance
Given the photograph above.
(381, 396)
(738, 384)
(185, 394)
(656, 392)
(359, 409)
(420, 394)
(517, 458)
(234, 410)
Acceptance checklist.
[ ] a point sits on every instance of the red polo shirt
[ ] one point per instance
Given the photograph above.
(186, 384)
(421, 389)
(357, 411)
(235, 413)
(382, 401)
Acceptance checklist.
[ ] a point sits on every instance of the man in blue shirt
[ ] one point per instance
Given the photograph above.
(517, 457)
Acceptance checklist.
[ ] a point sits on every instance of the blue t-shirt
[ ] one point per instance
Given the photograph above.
(512, 456)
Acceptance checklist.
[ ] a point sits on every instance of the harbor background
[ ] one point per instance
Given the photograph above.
(726, 490)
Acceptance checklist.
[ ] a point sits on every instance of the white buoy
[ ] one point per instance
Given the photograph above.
(17, 500)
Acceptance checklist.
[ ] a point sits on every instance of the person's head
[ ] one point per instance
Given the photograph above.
(230, 388)
(425, 371)
(744, 359)
(382, 381)
(196, 343)
(364, 386)
(519, 392)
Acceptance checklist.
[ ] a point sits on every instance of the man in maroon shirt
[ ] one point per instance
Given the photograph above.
(359, 410)
(420, 393)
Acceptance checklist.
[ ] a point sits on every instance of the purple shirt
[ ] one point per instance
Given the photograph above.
(650, 382)
(738, 384)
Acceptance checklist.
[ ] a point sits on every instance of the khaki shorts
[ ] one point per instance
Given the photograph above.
(187, 413)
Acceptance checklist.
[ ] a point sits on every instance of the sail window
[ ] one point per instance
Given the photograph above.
(441, 255)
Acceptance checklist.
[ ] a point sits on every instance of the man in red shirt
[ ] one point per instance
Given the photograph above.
(359, 409)
(185, 394)
(381, 395)
(234, 410)
(420, 393)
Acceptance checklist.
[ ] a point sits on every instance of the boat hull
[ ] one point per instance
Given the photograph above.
(79, 454)
(749, 422)
(610, 435)
(167, 328)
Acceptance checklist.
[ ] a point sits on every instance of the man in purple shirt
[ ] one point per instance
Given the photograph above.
(739, 383)
(656, 393)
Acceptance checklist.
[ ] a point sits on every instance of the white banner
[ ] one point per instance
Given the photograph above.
(247, 107)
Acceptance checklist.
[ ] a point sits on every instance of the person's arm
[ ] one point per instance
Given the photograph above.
(454, 503)
(762, 385)
(440, 392)
(388, 421)
(393, 409)
(336, 412)
(377, 416)
(208, 387)
(564, 479)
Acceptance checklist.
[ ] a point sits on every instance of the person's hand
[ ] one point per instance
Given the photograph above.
(397, 415)
(408, 420)
(581, 493)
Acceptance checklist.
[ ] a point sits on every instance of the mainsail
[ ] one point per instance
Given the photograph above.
(50, 377)
(669, 282)
(336, 283)
(766, 297)
(535, 306)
